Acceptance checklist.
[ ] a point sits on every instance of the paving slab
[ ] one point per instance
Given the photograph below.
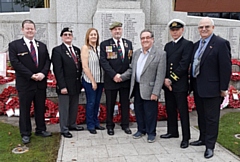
(121, 147)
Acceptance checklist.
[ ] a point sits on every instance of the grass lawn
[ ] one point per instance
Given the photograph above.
(46, 149)
(229, 126)
(40, 149)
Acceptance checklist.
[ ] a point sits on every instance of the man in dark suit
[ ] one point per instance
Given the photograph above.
(147, 73)
(115, 57)
(31, 62)
(176, 83)
(67, 68)
(210, 76)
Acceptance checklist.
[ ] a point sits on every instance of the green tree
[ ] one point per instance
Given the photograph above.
(30, 3)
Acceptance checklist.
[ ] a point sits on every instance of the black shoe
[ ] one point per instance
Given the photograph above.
(43, 133)
(208, 153)
(127, 130)
(99, 128)
(197, 143)
(169, 136)
(25, 139)
(110, 132)
(77, 128)
(93, 131)
(184, 144)
(67, 135)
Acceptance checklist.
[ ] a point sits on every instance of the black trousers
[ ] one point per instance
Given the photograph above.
(177, 101)
(146, 113)
(111, 96)
(208, 110)
(38, 97)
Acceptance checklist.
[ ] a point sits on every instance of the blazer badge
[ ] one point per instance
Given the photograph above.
(22, 54)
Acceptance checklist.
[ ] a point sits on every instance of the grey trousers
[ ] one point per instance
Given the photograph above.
(68, 108)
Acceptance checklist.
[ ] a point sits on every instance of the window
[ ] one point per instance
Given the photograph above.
(225, 15)
(19, 5)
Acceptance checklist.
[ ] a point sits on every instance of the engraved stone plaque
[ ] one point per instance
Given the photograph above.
(133, 23)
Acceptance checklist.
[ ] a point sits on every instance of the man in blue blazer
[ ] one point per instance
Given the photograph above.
(210, 76)
(31, 62)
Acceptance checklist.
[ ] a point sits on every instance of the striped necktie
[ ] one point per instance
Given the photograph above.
(74, 57)
(120, 51)
(33, 53)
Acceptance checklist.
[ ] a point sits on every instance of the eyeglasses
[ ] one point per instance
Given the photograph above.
(143, 38)
(67, 34)
(202, 27)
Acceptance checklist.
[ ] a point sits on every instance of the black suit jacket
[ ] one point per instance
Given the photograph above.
(65, 70)
(112, 66)
(24, 66)
(178, 60)
(215, 68)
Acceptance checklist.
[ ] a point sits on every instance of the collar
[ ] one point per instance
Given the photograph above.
(148, 51)
(67, 45)
(175, 41)
(207, 39)
(115, 40)
(26, 40)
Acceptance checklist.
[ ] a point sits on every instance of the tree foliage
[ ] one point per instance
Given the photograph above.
(30, 3)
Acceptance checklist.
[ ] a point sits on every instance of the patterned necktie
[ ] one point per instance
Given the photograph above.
(74, 57)
(33, 53)
(120, 50)
(199, 56)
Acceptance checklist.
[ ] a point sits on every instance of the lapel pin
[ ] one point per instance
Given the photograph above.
(68, 54)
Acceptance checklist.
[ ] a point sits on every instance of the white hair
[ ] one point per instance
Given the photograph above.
(207, 18)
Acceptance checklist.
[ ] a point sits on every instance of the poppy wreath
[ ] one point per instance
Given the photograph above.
(233, 102)
(235, 74)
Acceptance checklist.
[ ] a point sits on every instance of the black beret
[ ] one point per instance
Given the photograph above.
(67, 29)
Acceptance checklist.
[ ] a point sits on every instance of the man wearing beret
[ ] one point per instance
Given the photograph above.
(176, 82)
(115, 57)
(30, 59)
(67, 68)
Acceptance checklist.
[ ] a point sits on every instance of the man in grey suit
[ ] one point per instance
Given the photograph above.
(147, 73)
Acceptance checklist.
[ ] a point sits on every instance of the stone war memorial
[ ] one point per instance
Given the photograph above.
(134, 14)
(83, 14)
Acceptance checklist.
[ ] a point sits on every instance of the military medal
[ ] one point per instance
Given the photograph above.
(109, 49)
(125, 44)
(130, 52)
